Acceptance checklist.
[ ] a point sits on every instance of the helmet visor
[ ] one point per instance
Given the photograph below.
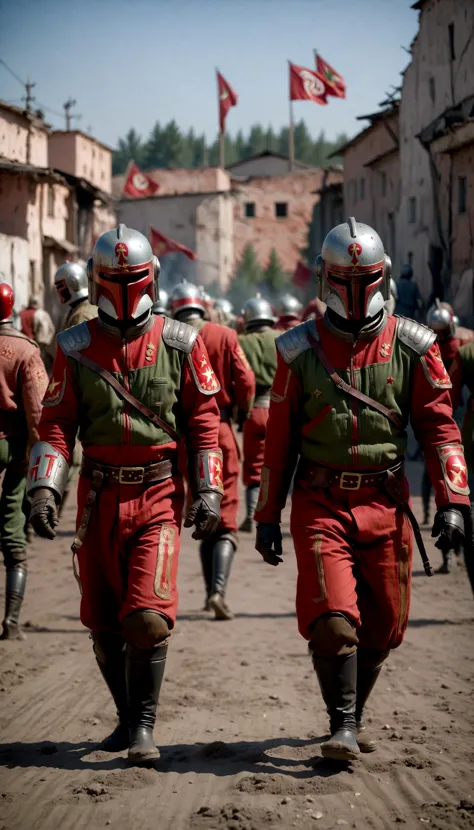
(355, 290)
(63, 291)
(124, 289)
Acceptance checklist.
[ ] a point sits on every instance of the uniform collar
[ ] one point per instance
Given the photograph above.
(369, 332)
(132, 333)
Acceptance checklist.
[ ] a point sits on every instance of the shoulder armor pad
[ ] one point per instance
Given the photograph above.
(74, 339)
(418, 337)
(295, 341)
(179, 335)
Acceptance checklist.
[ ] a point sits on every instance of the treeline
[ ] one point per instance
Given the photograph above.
(167, 146)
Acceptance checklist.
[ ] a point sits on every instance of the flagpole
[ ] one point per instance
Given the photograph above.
(221, 132)
(291, 134)
(130, 162)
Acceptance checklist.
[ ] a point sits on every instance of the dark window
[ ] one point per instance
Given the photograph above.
(362, 188)
(462, 194)
(432, 88)
(410, 257)
(50, 200)
(412, 210)
(383, 183)
(250, 210)
(452, 53)
(281, 210)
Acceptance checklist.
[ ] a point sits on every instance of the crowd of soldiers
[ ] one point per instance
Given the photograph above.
(153, 387)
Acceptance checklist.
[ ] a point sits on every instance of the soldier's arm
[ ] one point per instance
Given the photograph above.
(456, 375)
(33, 382)
(242, 375)
(198, 403)
(436, 430)
(281, 444)
(60, 418)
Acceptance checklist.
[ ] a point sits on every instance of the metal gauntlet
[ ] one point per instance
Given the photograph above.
(205, 472)
(48, 468)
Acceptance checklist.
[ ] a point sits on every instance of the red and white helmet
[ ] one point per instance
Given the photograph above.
(440, 318)
(70, 282)
(123, 274)
(354, 271)
(186, 297)
(7, 300)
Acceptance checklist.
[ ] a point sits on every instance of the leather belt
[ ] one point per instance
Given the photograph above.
(262, 401)
(317, 476)
(128, 475)
(226, 413)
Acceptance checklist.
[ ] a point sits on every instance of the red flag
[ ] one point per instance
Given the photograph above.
(302, 276)
(227, 99)
(335, 84)
(306, 85)
(162, 245)
(137, 183)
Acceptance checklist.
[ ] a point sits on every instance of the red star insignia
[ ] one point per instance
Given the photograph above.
(390, 380)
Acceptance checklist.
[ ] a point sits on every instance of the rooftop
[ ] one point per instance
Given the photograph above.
(84, 135)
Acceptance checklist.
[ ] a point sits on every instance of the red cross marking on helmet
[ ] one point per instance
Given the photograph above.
(355, 250)
(121, 252)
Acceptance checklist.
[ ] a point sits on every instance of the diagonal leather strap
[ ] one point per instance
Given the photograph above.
(124, 393)
(349, 390)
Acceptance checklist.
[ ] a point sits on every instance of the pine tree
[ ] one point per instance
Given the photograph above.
(130, 147)
(248, 270)
(303, 142)
(275, 276)
(172, 145)
(153, 151)
(256, 141)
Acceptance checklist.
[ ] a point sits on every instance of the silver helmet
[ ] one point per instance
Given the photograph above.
(225, 311)
(258, 311)
(160, 306)
(70, 282)
(440, 318)
(186, 297)
(289, 306)
(354, 271)
(123, 274)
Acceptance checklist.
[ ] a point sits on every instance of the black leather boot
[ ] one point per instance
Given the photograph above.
(145, 669)
(337, 678)
(369, 666)
(445, 568)
(251, 499)
(14, 593)
(205, 553)
(109, 650)
(223, 554)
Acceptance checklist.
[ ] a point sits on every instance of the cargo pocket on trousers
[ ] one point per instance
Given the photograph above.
(318, 558)
(155, 390)
(403, 577)
(164, 562)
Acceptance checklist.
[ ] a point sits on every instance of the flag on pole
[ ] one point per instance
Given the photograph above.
(162, 245)
(227, 99)
(335, 84)
(302, 275)
(306, 85)
(138, 184)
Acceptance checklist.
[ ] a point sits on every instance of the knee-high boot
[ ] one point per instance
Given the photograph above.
(205, 553)
(337, 678)
(14, 593)
(145, 669)
(251, 499)
(222, 555)
(369, 666)
(109, 650)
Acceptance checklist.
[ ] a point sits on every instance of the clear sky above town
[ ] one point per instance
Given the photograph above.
(133, 62)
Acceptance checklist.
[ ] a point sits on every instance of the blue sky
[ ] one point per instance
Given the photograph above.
(133, 63)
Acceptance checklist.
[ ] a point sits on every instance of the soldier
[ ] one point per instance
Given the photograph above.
(288, 310)
(237, 389)
(225, 310)
(409, 301)
(23, 382)
(36, 323)
(132, 383)
(160, 306)
(350, 498)
(258, 344)
(71, 284)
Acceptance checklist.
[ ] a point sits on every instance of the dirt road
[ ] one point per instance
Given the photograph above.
(240, 720)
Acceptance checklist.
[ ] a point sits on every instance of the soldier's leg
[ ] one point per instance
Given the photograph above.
(13, 520)
(224, 542)
(426, 495)
(253, 450)
(383, 586)
(149, 611)
(328, 616)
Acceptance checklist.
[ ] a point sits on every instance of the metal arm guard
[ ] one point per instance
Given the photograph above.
(48, 468)
(205, 472)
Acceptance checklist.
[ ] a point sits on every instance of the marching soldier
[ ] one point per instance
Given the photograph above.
(160, 306)
(237, 389)
(344, 390)
(225, 311)
(23, 382)
(258, 344)
(37, 325)
(71, 284)
(132, 383)
(288, 311)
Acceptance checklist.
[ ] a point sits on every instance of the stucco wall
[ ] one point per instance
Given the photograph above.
(15, 192)
(180, 181)
(264, 166)
(15, 267)
(14, 131)
(214, 240)
(80, 155)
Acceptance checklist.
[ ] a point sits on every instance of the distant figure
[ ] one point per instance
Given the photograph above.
(71, 284)
(160, 306)
(288, 310)
(409, 300)
(36, 324)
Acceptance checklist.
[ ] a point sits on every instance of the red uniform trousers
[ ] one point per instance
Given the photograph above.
(230, 476)
(129, 559)
(255, 429)
(354, 552)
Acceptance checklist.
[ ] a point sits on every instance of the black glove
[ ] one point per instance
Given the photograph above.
(449, 527)
(44, 513)
(241, 418)
(205, 514)
(268, 542)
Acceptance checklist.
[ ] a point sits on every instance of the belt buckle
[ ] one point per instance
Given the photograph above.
(346, 475)
(131, 475)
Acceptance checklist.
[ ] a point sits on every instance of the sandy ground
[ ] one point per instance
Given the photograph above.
(240, 720)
